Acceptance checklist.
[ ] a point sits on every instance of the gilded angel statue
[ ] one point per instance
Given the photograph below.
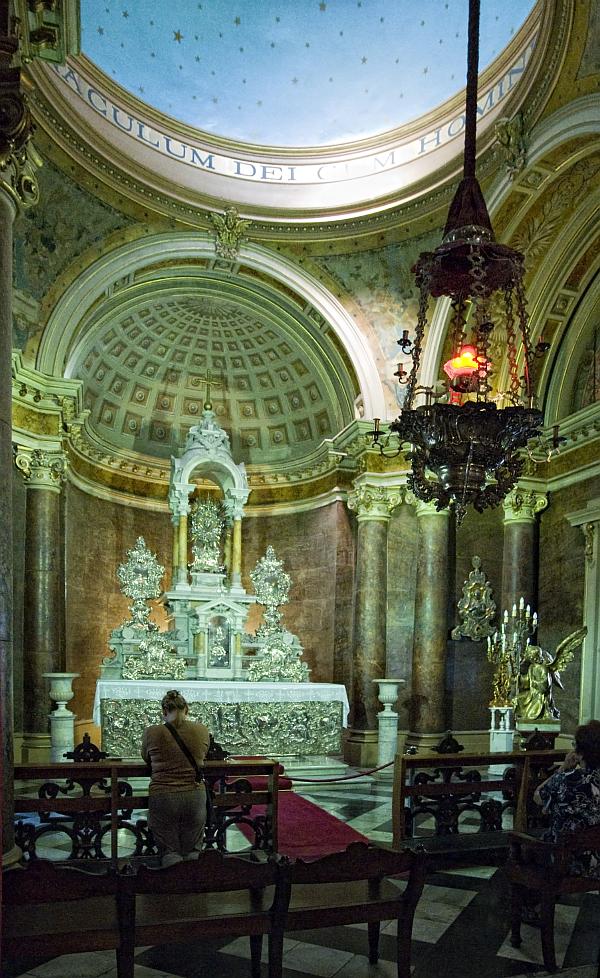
(539, 674)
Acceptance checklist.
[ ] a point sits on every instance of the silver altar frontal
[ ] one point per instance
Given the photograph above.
(276, 718)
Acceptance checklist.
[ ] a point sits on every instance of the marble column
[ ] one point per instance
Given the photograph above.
(182, 549)
(236, 552)
(428, 706)
(43, 641)
(18, 190)
(7, 213)
(373, 505)
(233, 504)
(175, 550)
(519, 559)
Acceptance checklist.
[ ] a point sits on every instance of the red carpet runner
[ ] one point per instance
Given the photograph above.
(305, 831)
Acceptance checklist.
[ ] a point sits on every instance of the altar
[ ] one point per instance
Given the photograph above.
(272, 718)
(252, 690)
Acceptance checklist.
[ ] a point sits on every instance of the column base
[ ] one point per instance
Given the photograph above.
(473, 741)
(360, 748)
(36, 748)
(11, 858)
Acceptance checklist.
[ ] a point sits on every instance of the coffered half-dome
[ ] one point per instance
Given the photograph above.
(280, 381)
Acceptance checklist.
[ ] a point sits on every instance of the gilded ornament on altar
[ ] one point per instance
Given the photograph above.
(207, 533)
(156, 659)
(272, 589)
(277, 660)
(476, 607)
(140, 577)
(540, 674)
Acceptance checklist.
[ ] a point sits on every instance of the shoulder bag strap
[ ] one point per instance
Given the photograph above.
(186, 751)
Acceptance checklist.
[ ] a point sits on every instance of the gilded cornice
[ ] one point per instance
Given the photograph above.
(423, 203)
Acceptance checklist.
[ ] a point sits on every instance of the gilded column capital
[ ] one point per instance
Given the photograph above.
(522, 505)
(373, 502)
(42, 469)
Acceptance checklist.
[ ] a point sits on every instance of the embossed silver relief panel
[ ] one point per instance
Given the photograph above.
(241, 728)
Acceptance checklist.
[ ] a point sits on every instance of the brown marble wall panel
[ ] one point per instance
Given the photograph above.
(307, 543)
(468, 673)
(561, 586)
(98, 534)
(402, 576)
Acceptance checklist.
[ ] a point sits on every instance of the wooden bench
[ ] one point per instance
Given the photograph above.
(48, 911)
(354, 887)
(541, 870)
(449, 787)
(217, 895)
(178, 904)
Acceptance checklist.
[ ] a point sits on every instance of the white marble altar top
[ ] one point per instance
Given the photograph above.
(220, 691)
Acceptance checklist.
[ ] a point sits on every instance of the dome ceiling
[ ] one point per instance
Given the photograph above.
(280, 384)
(307, 73)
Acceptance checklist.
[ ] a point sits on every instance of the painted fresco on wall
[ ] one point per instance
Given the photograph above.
(62, 226)
(382, 284)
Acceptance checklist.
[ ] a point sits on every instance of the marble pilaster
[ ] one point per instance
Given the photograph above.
(373, 505)
(428, 707)
(43, 644)
(519, 559)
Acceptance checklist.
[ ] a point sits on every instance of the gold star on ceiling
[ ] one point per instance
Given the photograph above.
(177, 36)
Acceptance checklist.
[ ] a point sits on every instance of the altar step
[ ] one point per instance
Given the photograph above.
(325, 768)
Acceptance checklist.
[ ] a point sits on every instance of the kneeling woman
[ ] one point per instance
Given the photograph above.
(177, 801)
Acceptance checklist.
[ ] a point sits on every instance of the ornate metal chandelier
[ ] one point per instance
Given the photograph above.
(465, 446)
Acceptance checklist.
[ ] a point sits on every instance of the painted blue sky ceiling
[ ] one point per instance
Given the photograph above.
(292, 72)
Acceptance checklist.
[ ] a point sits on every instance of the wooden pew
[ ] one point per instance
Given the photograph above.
(541, 871)
(49, 911)
(214, 896)
(448, 786)
(352, 887)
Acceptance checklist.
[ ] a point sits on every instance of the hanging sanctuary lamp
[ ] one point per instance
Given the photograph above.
(465, 448)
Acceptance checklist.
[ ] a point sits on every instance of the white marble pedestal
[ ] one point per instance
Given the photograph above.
(62, 721)
(502, 732)
(387, 721)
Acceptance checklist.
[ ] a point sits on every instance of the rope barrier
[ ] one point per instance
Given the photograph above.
(345, 777)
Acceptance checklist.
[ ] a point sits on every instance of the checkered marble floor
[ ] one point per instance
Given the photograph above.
(461, 926)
